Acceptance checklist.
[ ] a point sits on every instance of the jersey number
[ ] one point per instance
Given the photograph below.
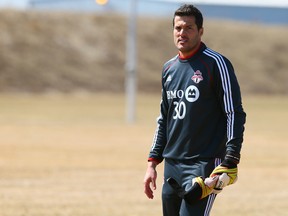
(180, 110)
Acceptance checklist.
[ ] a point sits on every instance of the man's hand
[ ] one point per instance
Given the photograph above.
(150, 179)
(227, 171)
(223, 172)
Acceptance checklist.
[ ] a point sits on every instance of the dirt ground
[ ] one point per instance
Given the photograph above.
(75, 155)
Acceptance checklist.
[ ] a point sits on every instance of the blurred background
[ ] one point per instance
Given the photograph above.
(70, 45)
(80, 92)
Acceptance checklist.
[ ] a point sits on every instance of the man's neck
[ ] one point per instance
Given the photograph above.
(191, 53)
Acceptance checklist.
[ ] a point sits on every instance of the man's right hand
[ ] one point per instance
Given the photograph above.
(150, 179)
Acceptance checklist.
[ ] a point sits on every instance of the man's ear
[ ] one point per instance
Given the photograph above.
(201, 31)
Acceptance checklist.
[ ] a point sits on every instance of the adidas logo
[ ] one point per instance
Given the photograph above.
(169, 78)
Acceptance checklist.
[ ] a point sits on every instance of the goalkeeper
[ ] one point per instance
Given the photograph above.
(200, 129)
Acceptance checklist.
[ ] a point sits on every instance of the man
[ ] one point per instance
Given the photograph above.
(201, 123)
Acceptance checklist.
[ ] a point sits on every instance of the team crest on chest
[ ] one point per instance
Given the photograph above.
(197, 77)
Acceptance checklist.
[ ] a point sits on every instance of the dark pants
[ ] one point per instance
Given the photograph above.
(184, 172)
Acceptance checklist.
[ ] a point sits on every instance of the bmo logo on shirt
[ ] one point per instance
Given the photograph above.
(191, 94)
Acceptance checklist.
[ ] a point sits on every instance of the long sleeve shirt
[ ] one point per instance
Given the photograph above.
(201, 113)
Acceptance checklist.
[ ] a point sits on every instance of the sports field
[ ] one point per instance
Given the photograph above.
(74, 155)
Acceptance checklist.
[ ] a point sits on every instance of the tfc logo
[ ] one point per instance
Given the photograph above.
(197, 77)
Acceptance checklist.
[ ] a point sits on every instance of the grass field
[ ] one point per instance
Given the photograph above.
(74, 155)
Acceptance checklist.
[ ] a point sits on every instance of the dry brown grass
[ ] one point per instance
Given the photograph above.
(74, 155)
(60, 51)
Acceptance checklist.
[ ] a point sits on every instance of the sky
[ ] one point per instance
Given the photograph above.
(13, 3)
(271, 3)
(267, 3)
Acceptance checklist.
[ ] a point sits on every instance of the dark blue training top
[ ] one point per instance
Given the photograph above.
(201, 110)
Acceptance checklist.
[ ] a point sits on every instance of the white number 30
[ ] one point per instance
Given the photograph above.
(180, 110)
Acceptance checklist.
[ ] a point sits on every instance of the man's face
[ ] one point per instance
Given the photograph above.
(187, 37)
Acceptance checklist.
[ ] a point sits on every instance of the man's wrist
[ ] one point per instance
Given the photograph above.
(232, 157)
(231, 160)
(153, 162)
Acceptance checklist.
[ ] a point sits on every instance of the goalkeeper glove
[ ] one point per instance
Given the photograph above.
(227, 171)
(200, 188)
(223, 175)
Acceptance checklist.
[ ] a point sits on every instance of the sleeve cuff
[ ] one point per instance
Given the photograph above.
(155, 160)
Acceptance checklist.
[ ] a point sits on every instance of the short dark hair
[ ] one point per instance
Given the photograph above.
(190, 10)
